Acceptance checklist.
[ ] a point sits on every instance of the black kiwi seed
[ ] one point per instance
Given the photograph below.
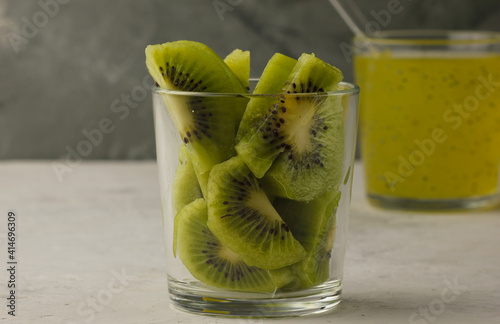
(201, 122)
(247, 214)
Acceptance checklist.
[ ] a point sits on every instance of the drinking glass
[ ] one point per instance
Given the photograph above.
(290, 297)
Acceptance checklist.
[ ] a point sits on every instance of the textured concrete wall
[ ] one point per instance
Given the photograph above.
(67, 66)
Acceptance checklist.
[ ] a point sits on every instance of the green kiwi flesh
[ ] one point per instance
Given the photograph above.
(186, 188)
(271, 81)
(239, 62)
(242, 217)
(207, 126)
(314, 225)
(290, 113)
(211, 262)
(312, 161)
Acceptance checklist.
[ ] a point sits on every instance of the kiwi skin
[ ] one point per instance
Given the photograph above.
(211, 262)
(242, 217)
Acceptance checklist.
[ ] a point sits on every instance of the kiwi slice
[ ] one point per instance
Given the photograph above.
(312, 161)
(290, 116)
(206, 125)
(271, 81)
(211, 262)
(313, 225)
(242, 217)
(239, 62)
(186, 188)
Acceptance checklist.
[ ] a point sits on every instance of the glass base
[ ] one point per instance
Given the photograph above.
(195, 298)
(435, 204)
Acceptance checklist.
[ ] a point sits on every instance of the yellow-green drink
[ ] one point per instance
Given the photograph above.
(430, 123)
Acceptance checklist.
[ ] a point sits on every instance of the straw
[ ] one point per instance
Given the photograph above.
(347, 18)
(356, 28)
(357, 12)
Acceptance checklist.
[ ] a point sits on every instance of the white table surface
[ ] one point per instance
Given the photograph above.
(76, 236)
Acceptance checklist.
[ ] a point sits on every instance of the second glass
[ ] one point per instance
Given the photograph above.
(430, 118)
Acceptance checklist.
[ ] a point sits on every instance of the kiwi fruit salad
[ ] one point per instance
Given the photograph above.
(257, 187)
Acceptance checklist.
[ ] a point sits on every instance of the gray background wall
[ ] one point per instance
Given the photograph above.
(65, 68)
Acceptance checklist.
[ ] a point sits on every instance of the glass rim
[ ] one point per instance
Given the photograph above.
(431, 37)
(346, 88)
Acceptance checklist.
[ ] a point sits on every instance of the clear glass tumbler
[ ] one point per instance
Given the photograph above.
(205, 275)
(430, 118)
